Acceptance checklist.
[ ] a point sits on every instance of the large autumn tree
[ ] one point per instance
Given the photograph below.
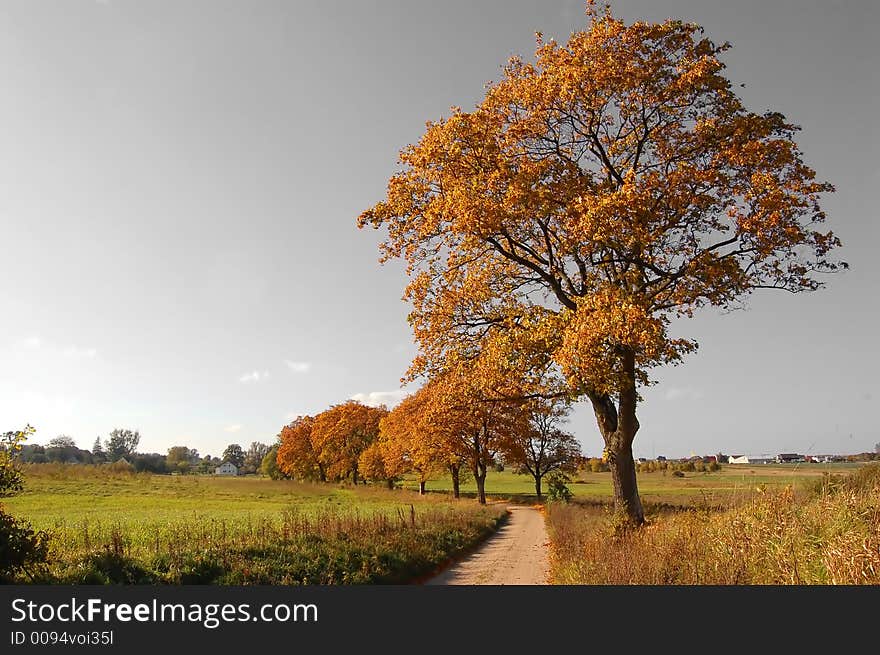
(592, 197)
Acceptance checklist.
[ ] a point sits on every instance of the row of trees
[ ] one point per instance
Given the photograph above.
(437, 430)
(121, 444)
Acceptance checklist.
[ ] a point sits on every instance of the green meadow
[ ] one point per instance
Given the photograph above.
(108, 527)
(729, 484)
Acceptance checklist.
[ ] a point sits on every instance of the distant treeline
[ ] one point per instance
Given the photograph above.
(120, 449)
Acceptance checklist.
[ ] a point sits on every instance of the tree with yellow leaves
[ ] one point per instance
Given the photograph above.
(297, 456)
(412, 439)
(340, 434)
(592, 197)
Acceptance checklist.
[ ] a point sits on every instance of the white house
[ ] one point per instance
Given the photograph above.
(226, 468)
(738, 459)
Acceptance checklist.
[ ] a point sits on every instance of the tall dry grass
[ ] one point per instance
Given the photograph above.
(326, 546)
(828, 535)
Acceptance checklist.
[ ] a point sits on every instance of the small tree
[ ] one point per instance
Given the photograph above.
(234, 455)
(253, 458)
(122, 443)
(180, 458)
(61, 441)
(99, 456)
(269, 465)
(539, 446)
(21, 547)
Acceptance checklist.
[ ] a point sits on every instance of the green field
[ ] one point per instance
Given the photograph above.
(143, 528)
(70, 498)
(725, 486)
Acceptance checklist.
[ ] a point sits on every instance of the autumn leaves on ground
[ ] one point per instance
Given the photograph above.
(552, 235)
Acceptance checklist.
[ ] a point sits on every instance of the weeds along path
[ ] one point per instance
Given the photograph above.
(515, 555)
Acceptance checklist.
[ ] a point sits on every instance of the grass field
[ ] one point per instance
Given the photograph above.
(723, 487)
(142, 528)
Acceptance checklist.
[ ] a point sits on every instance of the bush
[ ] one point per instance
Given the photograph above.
(677, 474)
(21, 547)
(557, 490)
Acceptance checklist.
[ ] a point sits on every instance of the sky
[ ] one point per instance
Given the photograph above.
(180, 182)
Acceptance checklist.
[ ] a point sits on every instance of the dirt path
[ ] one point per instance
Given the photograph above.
(515, 555)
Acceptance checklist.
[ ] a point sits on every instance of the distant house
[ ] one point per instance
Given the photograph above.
(226, 468)
(738, 459)
(784, 458)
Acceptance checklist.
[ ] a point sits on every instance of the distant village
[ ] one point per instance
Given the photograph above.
(781, 458)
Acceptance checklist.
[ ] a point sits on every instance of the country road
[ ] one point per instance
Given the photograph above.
(515, 555)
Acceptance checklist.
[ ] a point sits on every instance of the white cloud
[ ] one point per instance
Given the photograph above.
(253, 376)
(55, 350)
(235, 427)
(298, 367)
(376, 398)
(80, 353)
(683, 393)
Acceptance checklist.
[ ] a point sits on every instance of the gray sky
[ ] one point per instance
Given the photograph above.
(179, 183)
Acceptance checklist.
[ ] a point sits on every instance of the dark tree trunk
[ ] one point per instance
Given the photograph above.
(456, 481)
(390, 482)
(479, 468)
(421, 487)
(481, 487)
(321, 475)
(618, 426)
(538, 486)
(354, 475)
(480, 479)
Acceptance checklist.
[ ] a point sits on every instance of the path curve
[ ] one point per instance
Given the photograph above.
(515, 555)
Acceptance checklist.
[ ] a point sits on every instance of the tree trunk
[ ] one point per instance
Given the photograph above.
(390, 482)
(618, 426)
(480, 478)
(354, 475)
(456, 481)
(538, 486)
(421, 487)
(321, 475)
(481, 487)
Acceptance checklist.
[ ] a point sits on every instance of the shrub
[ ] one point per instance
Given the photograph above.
(557, 490)
(677, 474)
(22, 549)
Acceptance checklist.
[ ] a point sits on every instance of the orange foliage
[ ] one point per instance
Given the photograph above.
(296, 455)
(340, 434)
(591, 197)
